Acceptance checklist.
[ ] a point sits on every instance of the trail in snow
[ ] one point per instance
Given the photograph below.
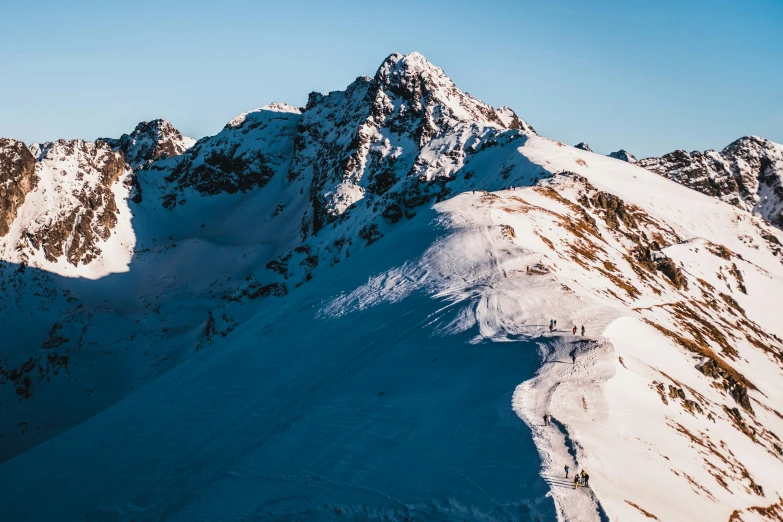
(560, 388)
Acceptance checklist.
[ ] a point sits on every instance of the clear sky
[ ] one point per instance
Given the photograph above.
(647, 76)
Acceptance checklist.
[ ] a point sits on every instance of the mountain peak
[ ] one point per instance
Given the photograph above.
(399, 70)
(149, 141)
(623, 155)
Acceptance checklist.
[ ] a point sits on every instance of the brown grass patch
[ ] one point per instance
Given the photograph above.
(704, 351)
(698, 327)
(546, 240)
(642, 511)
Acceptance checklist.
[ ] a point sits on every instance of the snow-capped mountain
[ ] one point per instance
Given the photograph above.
(150, 141)
(747, 174)
(341, 312)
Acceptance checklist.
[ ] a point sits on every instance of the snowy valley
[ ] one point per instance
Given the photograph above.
(342, 312)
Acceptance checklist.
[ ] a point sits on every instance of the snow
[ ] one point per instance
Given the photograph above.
(402, 374)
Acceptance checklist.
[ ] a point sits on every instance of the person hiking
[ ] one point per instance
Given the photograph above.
(583, 330)
(566, 470)
(573, 357)
(576, 481)
(582, 475)
(546, 419)
(554, 322)
(574, 330)
(586, 479)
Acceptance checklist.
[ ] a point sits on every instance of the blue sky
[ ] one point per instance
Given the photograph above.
(650, 78)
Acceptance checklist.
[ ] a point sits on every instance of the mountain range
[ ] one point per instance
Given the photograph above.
(343, 311)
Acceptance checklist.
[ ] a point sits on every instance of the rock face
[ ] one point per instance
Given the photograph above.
(17, 179)
(74, 189)
(746, 174)
(623, 155)
(583, 146)
(245, 155)
(76, 207)
(407, 123)
(150, 141)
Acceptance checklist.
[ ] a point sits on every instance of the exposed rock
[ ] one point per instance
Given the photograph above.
(387, 130)
(737, 390)
(623, 155)
(17, 179)
(81, 211)
(245, 155)
(616, 211)
(583, 146)
(150, 141)
(746, 174)
(672, 272)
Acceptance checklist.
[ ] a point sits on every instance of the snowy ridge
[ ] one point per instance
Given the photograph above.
(340, 313)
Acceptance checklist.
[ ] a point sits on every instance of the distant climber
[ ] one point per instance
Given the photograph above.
(551, 324)
(546, 419)
(555, 322)
(573, 357)
(583, 330)
(576, 481)
(566, 470)
(586, 478)
(574, 330)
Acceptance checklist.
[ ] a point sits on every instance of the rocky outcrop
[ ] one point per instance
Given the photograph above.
(746, 174)
(17, 179)
(246, 154)
(583, 146)
(623, 155)
(150, 141)
(409, 121)
(78, 209)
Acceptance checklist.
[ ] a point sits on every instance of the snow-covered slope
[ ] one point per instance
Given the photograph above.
(341, 312)
(747, 173)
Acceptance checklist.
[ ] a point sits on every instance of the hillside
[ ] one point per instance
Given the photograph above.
(340, 312)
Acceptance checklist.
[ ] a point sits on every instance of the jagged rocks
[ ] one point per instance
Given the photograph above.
(747, 174)
(385, 136)
(81, 210)
(583, 146)
(246, 154)
(668, 268)
(17, 179)
(615, 210)
(623, 155)
(150, 141)
(738, 391)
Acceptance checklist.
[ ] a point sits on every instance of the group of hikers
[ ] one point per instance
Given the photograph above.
(580, 479)
(553, 326)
